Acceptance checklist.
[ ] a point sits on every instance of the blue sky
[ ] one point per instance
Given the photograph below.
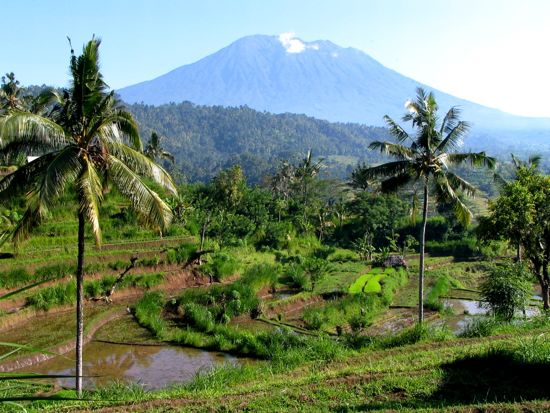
(492, 52)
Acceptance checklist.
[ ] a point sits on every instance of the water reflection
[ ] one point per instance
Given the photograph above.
(153, 367)
(466, 310)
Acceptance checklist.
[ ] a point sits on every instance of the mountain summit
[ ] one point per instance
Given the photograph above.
(321, 79)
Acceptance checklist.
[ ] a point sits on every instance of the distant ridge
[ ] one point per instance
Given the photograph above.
(285, 74)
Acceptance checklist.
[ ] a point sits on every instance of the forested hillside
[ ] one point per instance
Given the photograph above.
(205, 139)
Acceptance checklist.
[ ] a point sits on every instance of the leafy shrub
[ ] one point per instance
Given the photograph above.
(462, 248)
(314, 318)
(276, 235)
(341, 255)
(357, 323)
(507, 289)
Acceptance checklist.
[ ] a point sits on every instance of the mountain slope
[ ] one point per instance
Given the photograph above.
(205, 139)
(320, 79)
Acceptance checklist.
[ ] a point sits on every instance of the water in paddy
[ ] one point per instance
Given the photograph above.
(153, 367)
(466, 310)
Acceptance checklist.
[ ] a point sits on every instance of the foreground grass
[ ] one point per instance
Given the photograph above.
(498, 373)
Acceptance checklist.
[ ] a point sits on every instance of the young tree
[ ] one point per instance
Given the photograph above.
(427, 159)
(506, 289)
(86, 136)
(521, 214)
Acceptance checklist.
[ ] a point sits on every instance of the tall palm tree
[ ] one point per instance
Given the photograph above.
(86, 136)
(155, 151)
(427, 160)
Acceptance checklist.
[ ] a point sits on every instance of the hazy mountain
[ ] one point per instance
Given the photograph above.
(320, 79)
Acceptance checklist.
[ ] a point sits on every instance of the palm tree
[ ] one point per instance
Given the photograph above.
(304, 175)
(155, 151)
(427, 160)
(86, 136)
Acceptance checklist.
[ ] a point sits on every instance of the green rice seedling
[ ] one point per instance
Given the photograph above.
(117, 265)
(144, 280)
(221, 265)
(480, 327)
(261, 275)
(54, 271)
(56, 295)
(314, 318)
(15, 278)
(296, 276)
(148, 313)
(198, 316)
(441, 287)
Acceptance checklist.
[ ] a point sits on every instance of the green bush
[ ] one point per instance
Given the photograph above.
(507, 289)
(314, 318)
(462, 248)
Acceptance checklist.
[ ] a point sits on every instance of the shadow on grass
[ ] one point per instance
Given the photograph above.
(496, 377)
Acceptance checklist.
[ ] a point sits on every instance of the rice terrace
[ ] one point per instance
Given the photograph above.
(268, 228)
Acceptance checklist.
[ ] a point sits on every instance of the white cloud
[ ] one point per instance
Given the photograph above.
(294, 45)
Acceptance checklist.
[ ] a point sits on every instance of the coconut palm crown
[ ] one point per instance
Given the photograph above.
(85, 137)
(426, 157)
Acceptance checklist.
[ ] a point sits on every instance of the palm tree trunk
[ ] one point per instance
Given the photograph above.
(79, 303)
(422, 247)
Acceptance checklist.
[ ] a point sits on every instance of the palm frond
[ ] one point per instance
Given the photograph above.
(45, 187)
(474, 158)
(63, 169)
(91, 193)
(395, 182)
(24, 126)
(144, 201)
(393, 149)
(396, 130)
(450, 120)
(447, 194)
(140, 164)
(31, 218)
(23, 178)
(388, 169)
(534, 160)
(454, 137)
(457, 182)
